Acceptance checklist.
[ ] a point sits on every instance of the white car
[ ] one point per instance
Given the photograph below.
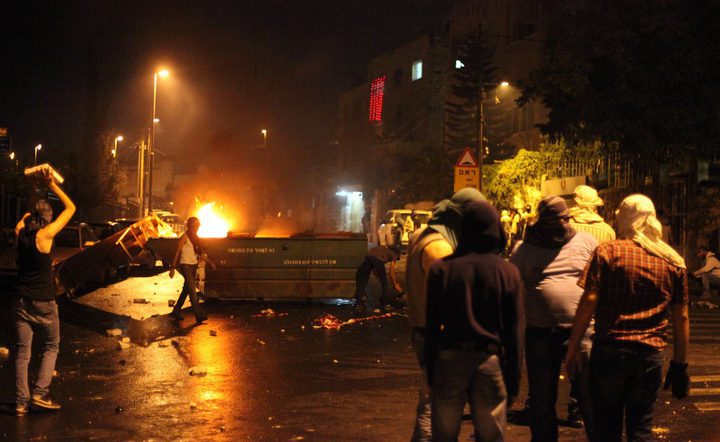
(398, 224)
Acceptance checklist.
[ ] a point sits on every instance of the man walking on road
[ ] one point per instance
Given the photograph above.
(429, 244)
(629, 286)
(550, 260)
(473, 324)
(709, 272)
(33, 306)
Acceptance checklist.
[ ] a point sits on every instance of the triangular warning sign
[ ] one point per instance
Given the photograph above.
(467, 159)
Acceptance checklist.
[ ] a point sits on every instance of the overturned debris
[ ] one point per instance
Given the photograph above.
(268, 313)
(330, 322)
(113, 332)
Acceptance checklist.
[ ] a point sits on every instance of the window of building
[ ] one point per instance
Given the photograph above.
(417, 70)
(377, 92)
(459, 64)
(398, 77)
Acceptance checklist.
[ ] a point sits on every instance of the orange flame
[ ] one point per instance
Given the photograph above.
(212, 223)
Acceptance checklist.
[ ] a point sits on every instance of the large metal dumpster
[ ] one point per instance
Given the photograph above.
(297, 267)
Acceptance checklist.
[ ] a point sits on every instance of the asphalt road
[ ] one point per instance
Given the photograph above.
(268, 378)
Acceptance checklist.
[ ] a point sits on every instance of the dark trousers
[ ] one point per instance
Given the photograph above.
(362, 277)
(545, 350)
(467, 374)
(188, 272)
(624, 382)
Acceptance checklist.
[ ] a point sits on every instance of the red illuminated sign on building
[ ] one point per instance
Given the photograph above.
(377, 90)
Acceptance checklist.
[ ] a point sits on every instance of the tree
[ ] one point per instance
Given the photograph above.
(641, 74)
(461, 128)
(517, 182)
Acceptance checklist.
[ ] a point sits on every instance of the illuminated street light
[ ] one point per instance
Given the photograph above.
(114, 151)
(38, 147)
(264, 133)
(481, 124)
(151, 147)
(12, 155)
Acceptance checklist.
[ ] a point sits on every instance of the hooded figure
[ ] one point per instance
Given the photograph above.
(447, 214)
(636, 220)
(427, 245)
(472, 329)
(551, 230)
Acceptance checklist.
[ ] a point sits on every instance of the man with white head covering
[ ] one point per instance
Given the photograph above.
(584, 217)
(629, 285)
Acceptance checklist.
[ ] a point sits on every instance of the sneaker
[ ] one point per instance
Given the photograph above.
(574, 419)
(44, 402)
(21, 409)
(176, 315)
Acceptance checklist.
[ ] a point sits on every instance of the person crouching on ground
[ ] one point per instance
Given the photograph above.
(33, 306)
(188, 252)
(550, 260)
(472, 349)
(709, 273)
(629, 286)
(374, 263)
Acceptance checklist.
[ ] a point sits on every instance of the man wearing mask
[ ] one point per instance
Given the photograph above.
(550, 260)
(629, 286)
(429, 244)
(473, 323)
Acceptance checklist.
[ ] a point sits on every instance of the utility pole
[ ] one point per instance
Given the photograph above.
(481, 132)
(141, 179)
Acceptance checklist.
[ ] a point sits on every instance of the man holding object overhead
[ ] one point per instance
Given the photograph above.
(33, 306)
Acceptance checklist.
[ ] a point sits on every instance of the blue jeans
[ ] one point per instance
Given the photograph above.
(31, 316)
(188, 272)
(468, 374)
(545, 350)
(624, 380)
(423, 424)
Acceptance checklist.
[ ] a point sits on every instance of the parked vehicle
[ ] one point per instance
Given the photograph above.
(104, 229)
(175, 221)
(398, 224)
(72, 239)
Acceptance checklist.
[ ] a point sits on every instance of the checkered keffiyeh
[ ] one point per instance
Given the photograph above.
(634, 291)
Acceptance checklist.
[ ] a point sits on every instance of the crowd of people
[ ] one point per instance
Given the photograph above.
(584, 294)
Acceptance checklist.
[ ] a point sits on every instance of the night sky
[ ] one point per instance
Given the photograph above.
(236, 67)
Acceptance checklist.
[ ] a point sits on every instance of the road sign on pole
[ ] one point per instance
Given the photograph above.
(467, 171)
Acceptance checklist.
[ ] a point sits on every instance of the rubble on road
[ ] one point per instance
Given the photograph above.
(330, 322)
(140, 301)
(113, 332)
(268, 313)
(213, 333)
(197, 371)
(123, 345)
(705, 304)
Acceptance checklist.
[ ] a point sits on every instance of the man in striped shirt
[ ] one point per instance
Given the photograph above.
(584, 217)
(630, 285)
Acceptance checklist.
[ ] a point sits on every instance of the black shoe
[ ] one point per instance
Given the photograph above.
(574, 418)
(176, 315)
(44, 402)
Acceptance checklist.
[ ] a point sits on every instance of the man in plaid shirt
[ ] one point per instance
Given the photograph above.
(629, 286)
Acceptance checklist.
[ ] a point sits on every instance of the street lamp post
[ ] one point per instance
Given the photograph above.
(481, 124)
(38, 147)
(115, 151)
(151, 147)
(265, 191)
